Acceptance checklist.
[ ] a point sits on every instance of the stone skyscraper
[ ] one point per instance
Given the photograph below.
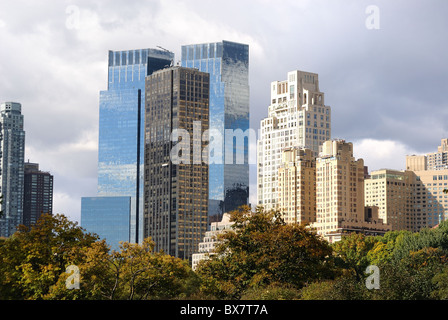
(297, 117)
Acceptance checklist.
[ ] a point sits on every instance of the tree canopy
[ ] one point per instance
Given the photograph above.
(261, 257)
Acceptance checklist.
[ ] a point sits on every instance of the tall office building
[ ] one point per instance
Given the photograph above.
(228, 65)
(121, 145)
(297, 186)
(38, 194)
(297, 117)
(176, 159)
(12, 151)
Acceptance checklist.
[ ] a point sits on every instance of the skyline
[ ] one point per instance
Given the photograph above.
(385, 86)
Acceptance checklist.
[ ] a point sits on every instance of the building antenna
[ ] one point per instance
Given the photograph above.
(166, 50)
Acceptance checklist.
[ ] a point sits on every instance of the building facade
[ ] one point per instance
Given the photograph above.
(210, 241)
(297, 186)
(121, 137)
(38, 194)
(438, 160)
(340, 194)
(176, 159)
(297, 117)
(431, 203)
(431, 171)
(228, 65)
(12, 152)
(104, 217)
(394, 193)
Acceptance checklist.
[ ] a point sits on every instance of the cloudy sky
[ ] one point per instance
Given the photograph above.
(382, 65)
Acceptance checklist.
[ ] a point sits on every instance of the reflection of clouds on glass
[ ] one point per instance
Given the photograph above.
(228, 65)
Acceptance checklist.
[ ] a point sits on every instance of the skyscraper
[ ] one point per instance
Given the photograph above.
(340, 194)
(228, 65)
(38, 194)
(12, 151)
(297, 117)
(121, 136)
(176, 159)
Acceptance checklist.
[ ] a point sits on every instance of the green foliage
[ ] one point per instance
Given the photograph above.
(352, 252)
(32, 260)
(261, 258)
(440, 282)
(33, 264)
(274, 291)
(262, 250)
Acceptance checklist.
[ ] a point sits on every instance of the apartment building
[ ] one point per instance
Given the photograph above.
(297, 117)
(393, 192)
(340, 194)
(297, 186)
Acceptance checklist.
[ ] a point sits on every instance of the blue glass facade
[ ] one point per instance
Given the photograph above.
(228, 66)
(12, 151)
(101, 215)
(121, 131)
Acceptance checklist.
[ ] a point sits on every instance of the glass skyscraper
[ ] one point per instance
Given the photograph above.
(228, 65)
(12, 153)
(121, 136)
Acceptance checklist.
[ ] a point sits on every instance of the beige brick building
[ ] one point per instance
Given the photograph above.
(297, 117)
(297, 186)
(431, 203)
(393, 192)
(340, 194)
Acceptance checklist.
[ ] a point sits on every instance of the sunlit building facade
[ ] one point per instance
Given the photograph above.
(394, 193)
(340, 194)
(297, 186)
(297, 117)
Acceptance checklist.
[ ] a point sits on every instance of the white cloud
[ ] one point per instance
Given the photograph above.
(382, 154)
(67, 205)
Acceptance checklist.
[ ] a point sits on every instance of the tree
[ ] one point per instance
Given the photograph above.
(262, 250)
(412, 278)
(134, 272)
(32, 260)
(352, 252)
(440, 282)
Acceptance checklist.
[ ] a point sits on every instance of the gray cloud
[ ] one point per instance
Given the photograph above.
(386, 85)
